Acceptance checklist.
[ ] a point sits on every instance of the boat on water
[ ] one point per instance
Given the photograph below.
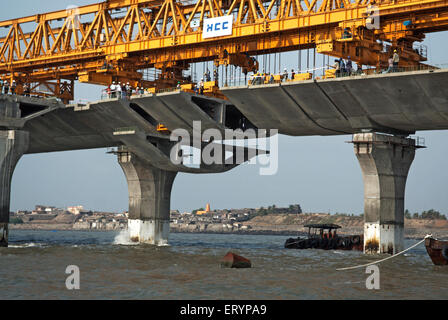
(325, 237)
(437, 251)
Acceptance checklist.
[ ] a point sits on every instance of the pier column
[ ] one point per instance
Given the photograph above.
(385, 162)
(149, 200)
(13, 144)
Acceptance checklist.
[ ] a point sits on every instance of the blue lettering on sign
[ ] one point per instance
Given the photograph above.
(217, 27)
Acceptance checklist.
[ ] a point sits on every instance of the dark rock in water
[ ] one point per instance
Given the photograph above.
(232, 260)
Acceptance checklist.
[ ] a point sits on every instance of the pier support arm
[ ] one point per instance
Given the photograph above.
(13, 144)
(385, 162)
(149, 199)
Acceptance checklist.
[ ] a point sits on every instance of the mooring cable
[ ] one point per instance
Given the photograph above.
(388, 258)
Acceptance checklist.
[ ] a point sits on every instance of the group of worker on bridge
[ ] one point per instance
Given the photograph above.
(122, 90)
(7, 88)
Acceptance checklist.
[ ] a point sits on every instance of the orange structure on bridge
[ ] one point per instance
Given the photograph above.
(117, 39)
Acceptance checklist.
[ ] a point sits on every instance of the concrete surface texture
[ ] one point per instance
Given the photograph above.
(13, 144)
(385, 162)
(149, 200)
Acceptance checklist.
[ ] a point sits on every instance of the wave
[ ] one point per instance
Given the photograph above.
(27, 245)
(124, 239)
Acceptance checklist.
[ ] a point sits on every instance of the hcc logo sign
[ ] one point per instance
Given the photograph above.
(218, 27)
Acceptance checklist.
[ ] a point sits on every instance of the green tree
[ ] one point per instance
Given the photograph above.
(407, 214)
(432, 215)
(16, 220)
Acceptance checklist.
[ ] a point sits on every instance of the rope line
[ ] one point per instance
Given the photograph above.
(388, 258)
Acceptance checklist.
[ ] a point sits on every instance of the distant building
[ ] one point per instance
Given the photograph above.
(44, 209)
(75, 210)
(207, 210)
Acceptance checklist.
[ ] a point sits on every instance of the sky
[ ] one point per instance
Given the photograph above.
(321, 174)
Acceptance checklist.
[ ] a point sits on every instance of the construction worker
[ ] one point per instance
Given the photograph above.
(26, 90)
(216, 75)
(396, 60)
(113, 90)
(293, 74)
(13, 87)
(1, 86)
(337, 67)
(108, 92)
(349, 66)
(6, 87)
(119, 92)
(342, 67)
(201, 87)
(285, 75)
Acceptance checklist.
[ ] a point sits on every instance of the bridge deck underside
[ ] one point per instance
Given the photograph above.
(393, 103)
(94, 125)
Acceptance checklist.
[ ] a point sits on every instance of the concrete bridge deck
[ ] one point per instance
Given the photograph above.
(396, 104)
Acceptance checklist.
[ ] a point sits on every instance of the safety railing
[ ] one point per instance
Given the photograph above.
(108, 94)
(343, 73)
(373, 137)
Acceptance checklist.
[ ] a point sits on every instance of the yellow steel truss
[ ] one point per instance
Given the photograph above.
(116, 38)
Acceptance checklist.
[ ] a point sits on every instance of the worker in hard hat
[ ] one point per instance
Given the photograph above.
(201, 86)
(113, 90)
(285, 75)
(6, 87)
(396, 60)
(13, 87)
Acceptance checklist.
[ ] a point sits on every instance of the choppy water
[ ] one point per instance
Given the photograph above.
(34, 265)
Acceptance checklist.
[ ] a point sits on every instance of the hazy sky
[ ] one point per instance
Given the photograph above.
(319, 173)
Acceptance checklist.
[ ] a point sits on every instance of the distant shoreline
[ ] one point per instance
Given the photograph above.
(253, 232)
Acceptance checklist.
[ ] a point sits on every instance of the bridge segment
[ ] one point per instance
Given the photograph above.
(381, 111)
(34, 125)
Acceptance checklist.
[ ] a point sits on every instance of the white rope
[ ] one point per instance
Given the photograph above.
(388, 258)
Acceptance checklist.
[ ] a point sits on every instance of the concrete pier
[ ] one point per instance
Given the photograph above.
(149, 200)
(385, 162)
(13, 144)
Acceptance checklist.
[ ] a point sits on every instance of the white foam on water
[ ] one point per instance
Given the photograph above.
(124, 239)
(26, 245)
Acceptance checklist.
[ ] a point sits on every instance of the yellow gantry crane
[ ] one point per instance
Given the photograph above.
(116, 39)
